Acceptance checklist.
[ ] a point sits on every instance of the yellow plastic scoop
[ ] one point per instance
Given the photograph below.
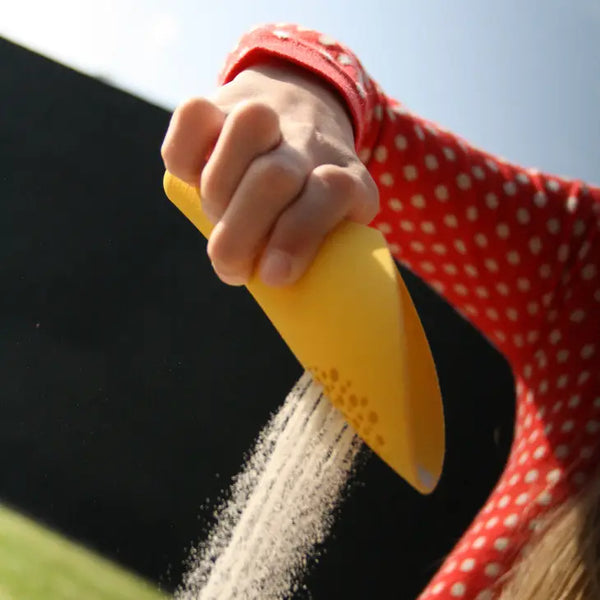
(351, 322)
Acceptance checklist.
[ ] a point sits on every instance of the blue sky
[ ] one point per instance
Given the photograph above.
(510, 77)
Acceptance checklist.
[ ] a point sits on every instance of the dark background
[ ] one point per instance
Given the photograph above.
(132, 381)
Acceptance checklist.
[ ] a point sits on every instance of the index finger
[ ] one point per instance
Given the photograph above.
(193, 131)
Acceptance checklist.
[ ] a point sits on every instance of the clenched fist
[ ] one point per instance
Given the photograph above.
(273, 155)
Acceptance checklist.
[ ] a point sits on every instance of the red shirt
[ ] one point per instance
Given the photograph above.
(515, 251)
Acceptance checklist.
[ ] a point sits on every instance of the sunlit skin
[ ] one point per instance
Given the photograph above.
(273, 154)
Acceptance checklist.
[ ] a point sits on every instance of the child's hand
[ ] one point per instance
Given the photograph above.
(273, 154)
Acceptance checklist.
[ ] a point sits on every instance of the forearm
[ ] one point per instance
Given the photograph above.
(495, 239)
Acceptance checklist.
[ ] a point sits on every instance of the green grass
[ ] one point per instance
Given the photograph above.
(36, 564)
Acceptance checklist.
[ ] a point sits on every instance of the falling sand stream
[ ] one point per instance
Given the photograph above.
(280, 506)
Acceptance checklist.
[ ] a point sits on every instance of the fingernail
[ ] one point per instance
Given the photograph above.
(276, 268)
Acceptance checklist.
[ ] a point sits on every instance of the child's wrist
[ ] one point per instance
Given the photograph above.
(291, 73)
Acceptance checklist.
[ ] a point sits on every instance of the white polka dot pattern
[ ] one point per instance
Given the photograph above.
(516, 252)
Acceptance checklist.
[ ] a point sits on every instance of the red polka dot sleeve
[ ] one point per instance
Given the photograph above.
(517, 253)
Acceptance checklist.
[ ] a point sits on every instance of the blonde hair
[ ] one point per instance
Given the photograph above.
(563, 561)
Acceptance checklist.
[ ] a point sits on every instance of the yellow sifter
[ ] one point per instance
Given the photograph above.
(350, 321)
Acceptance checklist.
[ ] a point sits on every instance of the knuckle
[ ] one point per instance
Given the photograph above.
(184, 135)
(191, 108)
(369, 183)
(341, 183)
(370, 196)
(257, 118)
(166, 151)
(225, 254)
(280, 173)
(173, 159)
(188, 113)
(254, 110)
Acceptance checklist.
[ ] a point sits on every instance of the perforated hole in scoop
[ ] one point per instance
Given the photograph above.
(355, 408)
